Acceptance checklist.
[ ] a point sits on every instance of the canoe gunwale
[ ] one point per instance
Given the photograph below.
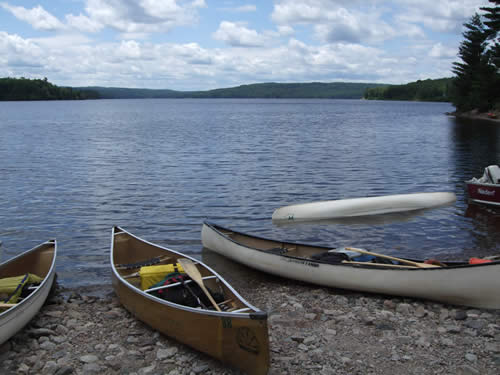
(37, 296)
(450, 265)
(254, 314)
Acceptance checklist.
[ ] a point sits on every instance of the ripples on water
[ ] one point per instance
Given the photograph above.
(72, 170)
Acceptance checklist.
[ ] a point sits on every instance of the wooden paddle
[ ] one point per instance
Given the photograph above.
(7, 305)
(192, 271)
(378, 264)
(411, 263)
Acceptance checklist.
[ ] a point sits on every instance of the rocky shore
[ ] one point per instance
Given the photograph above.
(491, 116)
(312, 330)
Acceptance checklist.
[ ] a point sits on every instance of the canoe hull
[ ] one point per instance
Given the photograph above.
(483, 193)
(474, 285)
(363, 206)
(41, 261)
(238, 339)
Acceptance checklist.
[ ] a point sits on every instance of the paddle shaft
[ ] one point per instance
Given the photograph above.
(7, 305)
(378, 264)
(192, 271)
(411, 263)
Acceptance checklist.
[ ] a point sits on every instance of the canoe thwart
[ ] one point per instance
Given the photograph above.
(176, 284)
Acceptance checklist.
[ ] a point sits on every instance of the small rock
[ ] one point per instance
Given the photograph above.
(200, 369)
(89, 358)
(166, 353)
(403, 308)
(460, 315)
(388, 304)
(420, 312)
(471, 357)
(467, 370)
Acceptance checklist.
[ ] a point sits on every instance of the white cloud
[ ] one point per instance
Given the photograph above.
(132, 17)
(334, 22)
(129, 49)
(83, 23)
(285, 30)
(440, 16)
(443, 52)
(240, 9)
(37, 17)
(237, 35)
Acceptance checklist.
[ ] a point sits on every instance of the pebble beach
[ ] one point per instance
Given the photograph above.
(312, 330)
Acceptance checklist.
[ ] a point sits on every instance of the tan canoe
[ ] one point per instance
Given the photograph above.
(39, 261)
(237, 336)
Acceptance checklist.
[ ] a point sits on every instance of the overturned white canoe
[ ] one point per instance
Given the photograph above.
(363, 206)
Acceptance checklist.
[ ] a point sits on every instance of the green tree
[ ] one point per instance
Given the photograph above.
(492, 22)
(473, 72)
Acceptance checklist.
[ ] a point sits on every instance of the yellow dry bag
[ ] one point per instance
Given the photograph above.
(151, 275)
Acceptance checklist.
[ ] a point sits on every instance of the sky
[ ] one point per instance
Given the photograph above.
(208, 44)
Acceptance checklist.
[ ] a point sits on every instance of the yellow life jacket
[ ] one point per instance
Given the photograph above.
(13, 286)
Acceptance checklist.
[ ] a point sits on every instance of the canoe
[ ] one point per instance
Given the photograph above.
(459, 283)
(486, 189)
(237, 335)
(363, 206)
(39, 261)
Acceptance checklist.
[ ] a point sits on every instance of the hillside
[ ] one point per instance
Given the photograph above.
(39, 89)
(430, 90)
(335, 90)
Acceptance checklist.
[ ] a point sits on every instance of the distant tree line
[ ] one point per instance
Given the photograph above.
(40, 89)
(429, 90)
(477, 82)
(313, 90)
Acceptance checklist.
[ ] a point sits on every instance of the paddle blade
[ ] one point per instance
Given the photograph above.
(193, 272)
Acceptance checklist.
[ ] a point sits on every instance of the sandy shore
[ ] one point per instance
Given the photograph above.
(312, 330)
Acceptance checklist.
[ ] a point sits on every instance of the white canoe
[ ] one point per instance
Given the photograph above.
(459, 283)
(363, 206)
(39, 261)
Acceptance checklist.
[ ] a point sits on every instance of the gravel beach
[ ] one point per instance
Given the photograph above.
(312, 330)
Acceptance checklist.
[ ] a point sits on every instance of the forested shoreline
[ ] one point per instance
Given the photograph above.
(429, 90)
(16, 89)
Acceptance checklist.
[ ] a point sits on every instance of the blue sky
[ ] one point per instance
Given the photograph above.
(206, 44)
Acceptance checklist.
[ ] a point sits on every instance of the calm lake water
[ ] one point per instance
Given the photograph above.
(72, 170)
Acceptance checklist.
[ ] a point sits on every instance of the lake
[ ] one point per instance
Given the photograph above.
(160, 167)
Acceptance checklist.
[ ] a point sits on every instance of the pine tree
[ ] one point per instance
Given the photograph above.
(492, 23)
(492, 15)
(474, 69)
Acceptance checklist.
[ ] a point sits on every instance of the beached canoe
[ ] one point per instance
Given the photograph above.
(25, 283)
(236, 335)
(457, 283)
(363, 206)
